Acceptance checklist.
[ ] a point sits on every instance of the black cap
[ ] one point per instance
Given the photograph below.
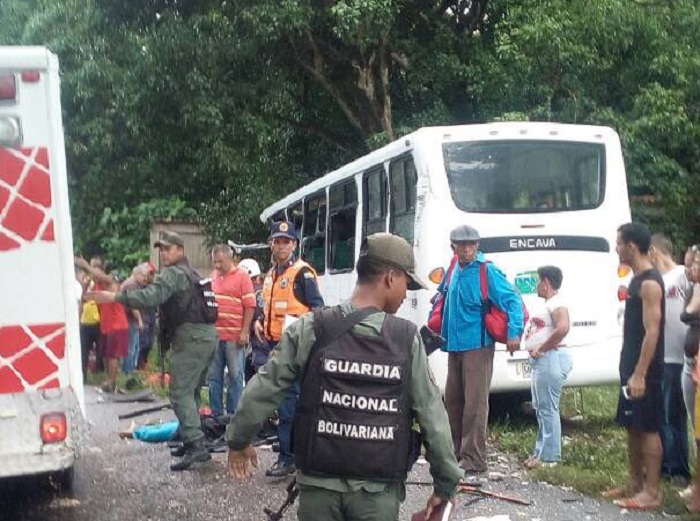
(283, 229)
(394, 251)
(169, 239)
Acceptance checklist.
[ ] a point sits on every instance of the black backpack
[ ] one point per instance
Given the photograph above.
(205, 294)
(202, 307)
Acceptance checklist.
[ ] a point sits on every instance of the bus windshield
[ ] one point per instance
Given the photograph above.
(525, 176)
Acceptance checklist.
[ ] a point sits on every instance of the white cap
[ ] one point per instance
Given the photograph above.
(251, 266)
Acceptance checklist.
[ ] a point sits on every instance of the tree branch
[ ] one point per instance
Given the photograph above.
(386, 119)
(316, 72)
(337, 141)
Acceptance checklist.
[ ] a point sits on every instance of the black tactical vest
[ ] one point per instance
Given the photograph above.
(188, 306)
(354, 416)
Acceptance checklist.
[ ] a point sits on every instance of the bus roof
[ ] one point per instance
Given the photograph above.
(504, 130)
(16, 57)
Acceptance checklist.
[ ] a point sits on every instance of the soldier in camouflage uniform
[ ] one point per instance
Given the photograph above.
(351, 436)
(189, 334)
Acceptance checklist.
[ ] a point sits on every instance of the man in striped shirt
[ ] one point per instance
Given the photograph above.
(236, 298)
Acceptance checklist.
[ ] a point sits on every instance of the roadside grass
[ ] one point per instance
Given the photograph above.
(594, 448)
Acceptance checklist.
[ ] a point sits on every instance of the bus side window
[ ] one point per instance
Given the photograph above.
(402, 175)
(313, 243)
(341, 231)
(295, 214)
(374, 202)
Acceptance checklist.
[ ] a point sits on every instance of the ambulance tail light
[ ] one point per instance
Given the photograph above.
(8, 87)
(622, 293)
(54, 427)
(436, 275)
(10, 131)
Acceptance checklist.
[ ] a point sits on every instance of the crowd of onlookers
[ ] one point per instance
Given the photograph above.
(117, 339)
(658, 371)
(112, 336)
(657, 366)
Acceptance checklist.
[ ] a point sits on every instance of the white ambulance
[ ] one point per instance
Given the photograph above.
(42, 407)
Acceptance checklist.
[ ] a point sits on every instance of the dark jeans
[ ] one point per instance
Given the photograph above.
(90, 336)
(674, 434)
(284, 431)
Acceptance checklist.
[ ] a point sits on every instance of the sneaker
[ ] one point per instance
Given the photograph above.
(281, 470)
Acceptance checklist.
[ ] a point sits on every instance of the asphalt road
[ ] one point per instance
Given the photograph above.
(126, 480)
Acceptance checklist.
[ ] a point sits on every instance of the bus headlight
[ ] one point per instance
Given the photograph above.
(10, 131)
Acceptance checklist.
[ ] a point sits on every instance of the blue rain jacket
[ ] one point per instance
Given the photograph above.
(461, 322)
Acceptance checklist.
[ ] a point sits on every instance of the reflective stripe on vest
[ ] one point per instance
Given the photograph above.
(279, 298)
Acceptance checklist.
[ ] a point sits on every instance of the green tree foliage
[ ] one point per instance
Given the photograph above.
(126, 231)
(227, 106)
(632, 65)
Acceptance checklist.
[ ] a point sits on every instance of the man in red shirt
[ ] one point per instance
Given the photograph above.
(236, 298)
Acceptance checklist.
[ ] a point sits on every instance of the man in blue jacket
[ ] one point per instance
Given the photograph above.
(470, 348)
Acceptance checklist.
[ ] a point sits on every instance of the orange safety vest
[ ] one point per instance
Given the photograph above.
(279, 299)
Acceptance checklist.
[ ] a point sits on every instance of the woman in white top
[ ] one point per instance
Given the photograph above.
(551, 364)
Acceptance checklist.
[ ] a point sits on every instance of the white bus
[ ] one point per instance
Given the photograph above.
(538, 193)
(41, 384)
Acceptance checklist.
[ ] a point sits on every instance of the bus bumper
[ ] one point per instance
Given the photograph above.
(27, 464)
(593, 364)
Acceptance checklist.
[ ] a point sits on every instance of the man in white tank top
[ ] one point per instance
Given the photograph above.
(674, 434)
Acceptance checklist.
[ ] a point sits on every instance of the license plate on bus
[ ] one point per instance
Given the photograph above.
(522, 369)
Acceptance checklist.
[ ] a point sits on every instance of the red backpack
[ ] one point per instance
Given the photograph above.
(435, 317)
(495, 321)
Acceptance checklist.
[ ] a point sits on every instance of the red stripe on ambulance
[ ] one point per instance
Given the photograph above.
(25, 197)
(30, 356)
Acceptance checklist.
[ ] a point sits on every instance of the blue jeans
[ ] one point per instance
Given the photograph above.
(286, 422)
(132, 359)
(674, 433)
(548, 375)
(226, 355)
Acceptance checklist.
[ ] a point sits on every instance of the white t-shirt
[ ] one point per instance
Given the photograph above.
(541, 324)
(677, 286)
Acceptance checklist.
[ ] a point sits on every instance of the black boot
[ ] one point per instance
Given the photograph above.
(194, 452)
(178, 451)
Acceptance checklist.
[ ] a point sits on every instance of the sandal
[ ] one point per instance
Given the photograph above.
(536, 462)
(532, 463)
(632, 503)
(529, 459)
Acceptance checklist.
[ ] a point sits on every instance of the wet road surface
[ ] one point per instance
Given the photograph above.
(128, 480)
